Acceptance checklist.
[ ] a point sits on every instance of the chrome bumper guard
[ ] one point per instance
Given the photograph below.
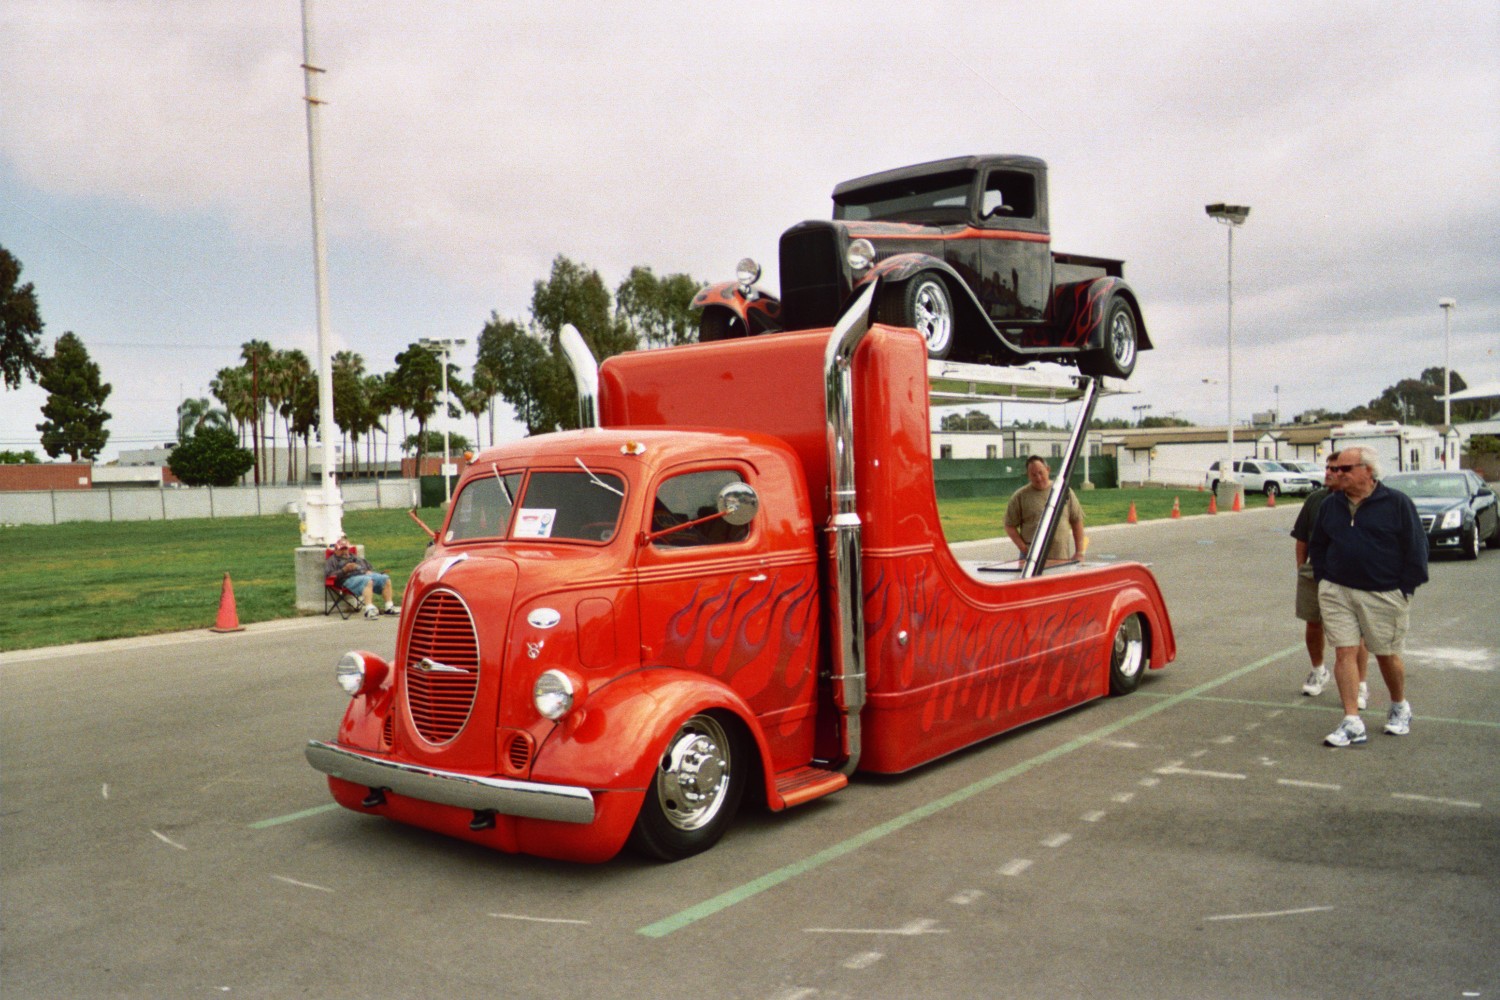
(563, 803)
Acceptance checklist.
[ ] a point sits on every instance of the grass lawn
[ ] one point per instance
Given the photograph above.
(88, 580)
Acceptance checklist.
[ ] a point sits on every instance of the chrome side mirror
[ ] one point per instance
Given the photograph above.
(738, 503)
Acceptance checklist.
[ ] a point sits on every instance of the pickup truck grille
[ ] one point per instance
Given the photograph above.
(812, 276)
(442, 667)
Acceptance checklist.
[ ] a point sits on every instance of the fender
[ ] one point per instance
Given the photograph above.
(760, 311)
(1144, 597)
(969, 310)
(626, 725)
(1079, 308)
(363, 724)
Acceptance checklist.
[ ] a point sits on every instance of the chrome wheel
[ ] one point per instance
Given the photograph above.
(694, 792)
(1127, 656)
(932, 315)
(1116, 355)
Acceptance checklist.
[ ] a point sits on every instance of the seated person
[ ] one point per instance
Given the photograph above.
(350, 571)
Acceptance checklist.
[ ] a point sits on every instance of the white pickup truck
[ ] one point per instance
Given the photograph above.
(1261, 475)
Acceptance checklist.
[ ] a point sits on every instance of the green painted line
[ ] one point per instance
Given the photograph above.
(709, 907)
(293, 817)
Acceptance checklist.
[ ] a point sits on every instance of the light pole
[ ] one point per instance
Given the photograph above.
(443, 347)
(1447, 306)
(1142, 408)
(1231, 216)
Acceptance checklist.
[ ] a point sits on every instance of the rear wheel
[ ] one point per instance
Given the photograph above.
(694, 794)
(1116, 356)
(1272, 489)
(923, 304)
(1127, 656)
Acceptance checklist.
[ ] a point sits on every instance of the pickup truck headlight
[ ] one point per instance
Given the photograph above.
(747, 272)
(861, 255)
(553, 694)
(1452, 519)
(359, 673)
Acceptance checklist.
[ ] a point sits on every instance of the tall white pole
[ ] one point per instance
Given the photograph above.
(447, 483)
(332, 503)
(1227, 470)
(1447, 305)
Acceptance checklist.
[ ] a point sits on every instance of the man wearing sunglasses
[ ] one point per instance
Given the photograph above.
(1306, 605)
(1369, 555)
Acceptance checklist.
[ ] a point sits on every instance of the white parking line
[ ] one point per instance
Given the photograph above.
(1461, 803)
(1275, 913)
(863, 960)
(168, 840)
(911, 928)
(1093, 817)
(1319, 785)
(301, 885)
(1176, 768)
(1015, 867)
(966, 897)
(537, 920)
(1057, 840)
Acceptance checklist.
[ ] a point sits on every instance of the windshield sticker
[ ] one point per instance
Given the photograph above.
(535, 522)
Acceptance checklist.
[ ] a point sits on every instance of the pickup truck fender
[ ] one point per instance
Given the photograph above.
(1142, 596)
(626, 726)
(970, 313)
(756, 313)
(1079, 309)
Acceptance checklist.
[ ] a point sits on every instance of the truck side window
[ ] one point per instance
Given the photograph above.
(689, 497)
(482, 509)
(1009, 195)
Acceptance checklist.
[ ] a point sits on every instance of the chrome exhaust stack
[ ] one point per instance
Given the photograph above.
(585, 374)
(847, 613)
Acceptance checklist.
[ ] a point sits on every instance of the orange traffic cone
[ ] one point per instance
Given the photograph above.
(229, 618)
(1130, 518)
(1213, 504)
(1238, 506)
(1176, 509)
(1270, 499)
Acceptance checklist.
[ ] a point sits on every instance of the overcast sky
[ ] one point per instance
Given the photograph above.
(154, 184)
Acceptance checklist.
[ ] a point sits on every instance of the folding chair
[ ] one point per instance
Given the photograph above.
(336, 598)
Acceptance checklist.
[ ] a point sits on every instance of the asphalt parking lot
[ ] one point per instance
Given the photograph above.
(162, 836)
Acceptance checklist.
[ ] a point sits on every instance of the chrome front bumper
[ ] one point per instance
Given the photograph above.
(563, 803)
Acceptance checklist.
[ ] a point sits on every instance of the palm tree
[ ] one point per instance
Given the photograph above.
(199, 414)
(299, 403)
(231, 387)
(349, 403)
(256, 353)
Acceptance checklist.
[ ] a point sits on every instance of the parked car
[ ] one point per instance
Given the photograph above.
(1261, 475)
(1312, 470)
(1458, 509)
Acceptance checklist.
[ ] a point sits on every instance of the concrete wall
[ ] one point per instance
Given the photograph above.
(139, 504)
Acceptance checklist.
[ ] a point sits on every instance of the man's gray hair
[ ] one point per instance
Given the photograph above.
(1360, 455)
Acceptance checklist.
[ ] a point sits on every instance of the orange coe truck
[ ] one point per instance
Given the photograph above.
(734, 584)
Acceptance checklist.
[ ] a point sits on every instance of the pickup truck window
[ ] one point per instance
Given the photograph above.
(482, 509)
(689, 497)
(914, 198)
(1009, 194)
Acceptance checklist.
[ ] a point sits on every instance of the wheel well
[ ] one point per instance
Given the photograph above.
(755, 771)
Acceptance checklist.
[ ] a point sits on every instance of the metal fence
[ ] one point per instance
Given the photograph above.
(166, 504)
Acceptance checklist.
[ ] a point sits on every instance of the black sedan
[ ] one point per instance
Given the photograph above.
(1458, 509)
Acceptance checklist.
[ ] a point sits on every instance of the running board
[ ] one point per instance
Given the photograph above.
(803, 784)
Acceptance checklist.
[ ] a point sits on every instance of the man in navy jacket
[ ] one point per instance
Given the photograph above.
(1369, 555)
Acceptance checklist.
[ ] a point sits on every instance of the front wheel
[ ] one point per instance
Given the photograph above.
(924, 305)
(1471, 543)
(694, 794)
(720, 324)
(1272, 490)
(1116, 356)
(1127, 656)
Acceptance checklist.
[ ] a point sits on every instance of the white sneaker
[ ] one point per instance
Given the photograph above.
(1350, 731)
(1313, 686)
(1398, 722)
(392, 609)
(1364, 696)
(371, 611)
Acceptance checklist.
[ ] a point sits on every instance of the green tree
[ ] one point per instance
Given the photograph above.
(74, 410)
(27, 457)
(418, 384)
(195, 414)
(658, 311)
(974, 420)
(256, 355)
(21, 352)
(522, 371)
(211, 457)
(432, 443)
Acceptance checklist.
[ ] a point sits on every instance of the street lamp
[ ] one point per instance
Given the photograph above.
(1231, 216)
(1139, 410)
(1447, 306)
(443, 347)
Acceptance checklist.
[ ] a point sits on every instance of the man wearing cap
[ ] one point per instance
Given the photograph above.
(350, 571)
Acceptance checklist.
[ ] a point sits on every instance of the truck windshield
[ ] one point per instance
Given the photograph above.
(912, 197)
(576, 506)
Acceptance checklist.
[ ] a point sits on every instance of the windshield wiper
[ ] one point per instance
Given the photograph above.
(596, 480)
(503, 488)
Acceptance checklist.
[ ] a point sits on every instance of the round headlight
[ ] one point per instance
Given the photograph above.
(350, 673)
(861, 254)
(747, 271)
(553, 694)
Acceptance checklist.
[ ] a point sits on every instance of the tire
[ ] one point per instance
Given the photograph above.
(1116, 358)
(1471, 542)
(1272, 490)
(720, 324)
(1214, 487)
(924, 304)
(697, 787)
(1494, 540)
(1127, 656)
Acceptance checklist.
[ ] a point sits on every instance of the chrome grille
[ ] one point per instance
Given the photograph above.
(1427, 520)
(442, 667)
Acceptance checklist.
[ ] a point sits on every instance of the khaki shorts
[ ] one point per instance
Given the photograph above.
(1381, 617)
(1307, 595)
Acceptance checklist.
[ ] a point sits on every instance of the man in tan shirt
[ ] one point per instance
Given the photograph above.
(1024, 513)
